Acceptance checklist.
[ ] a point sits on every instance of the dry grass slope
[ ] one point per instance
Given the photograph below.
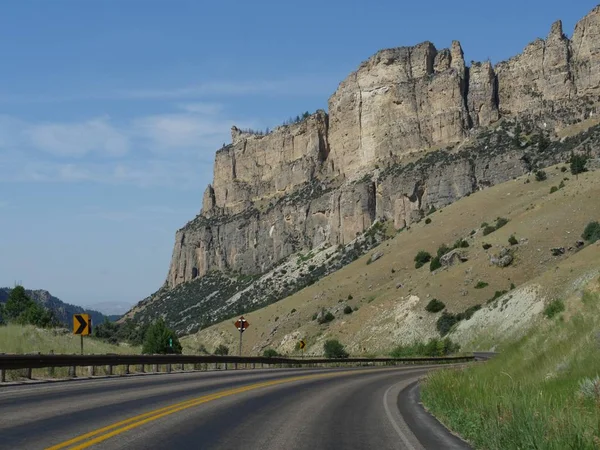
(390, 295)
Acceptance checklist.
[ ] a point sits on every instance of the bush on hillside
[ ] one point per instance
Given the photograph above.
(421, 259)
(513, 240)
(591, 232)
(486, 246)
(540, 175)
(334, 349)
(325, 317)
(270, 353)
(435, 306)
(488, 230)
(445, 322)
(160, 340)
(578, 163)
(435, 264)
(555, 307)
(553, 189)
(221, 350)
(481, 285)
(348, 310)
(442, 250)
(433, 348)
(427, 221)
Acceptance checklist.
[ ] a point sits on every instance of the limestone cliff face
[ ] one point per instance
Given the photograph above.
(254, 167)
(398, 101)
(328, 177)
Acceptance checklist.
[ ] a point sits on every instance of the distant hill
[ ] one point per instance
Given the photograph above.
(63, 311)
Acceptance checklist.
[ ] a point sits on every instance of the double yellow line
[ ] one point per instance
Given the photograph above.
(117, 428)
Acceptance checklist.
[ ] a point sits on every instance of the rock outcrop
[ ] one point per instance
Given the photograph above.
(387, 149)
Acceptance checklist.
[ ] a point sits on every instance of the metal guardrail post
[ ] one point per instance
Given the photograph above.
(92, 370)
(142, 368)
(127, 369)
(183, 367)
(109, 369)
(2, 376)
(155, 370)
(168, 368)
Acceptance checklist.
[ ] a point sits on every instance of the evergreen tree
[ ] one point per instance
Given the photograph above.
(161, 340)
(16, 304)
(578, 163)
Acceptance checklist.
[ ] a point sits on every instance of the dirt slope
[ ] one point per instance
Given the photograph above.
(391, 294)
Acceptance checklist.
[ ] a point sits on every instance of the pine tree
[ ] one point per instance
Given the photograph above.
(161, 340)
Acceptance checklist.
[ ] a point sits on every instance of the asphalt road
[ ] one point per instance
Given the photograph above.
(372, 408)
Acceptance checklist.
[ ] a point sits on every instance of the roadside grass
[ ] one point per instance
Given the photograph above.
(22, 339)
(530, 395)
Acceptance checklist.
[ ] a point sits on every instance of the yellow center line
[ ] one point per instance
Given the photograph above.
(136, 421)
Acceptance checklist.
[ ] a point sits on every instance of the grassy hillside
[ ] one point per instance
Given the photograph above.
(28, 339)
(389, 295)
(541, 392)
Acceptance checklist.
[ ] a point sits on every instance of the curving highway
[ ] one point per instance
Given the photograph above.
(363, 408)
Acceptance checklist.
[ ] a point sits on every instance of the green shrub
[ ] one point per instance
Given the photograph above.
(270, 353)
(563, 169)
(578, 163)
(350, 297)
(334, 349)
(486, 246)
(445, 322)
(314, 316)
(553, 189)
(540, 175)
(461, 243)
(442, 250)
(562, 184)
(500, 222)
(161, 340)
(421, 259)
(221, 350)
(327, 317)
(481, 285)
(435, 264)
(348, 310)
(488, 230)
(554, 308)
(435, 306)
(427, 221)
(513, 240)
(591, 232)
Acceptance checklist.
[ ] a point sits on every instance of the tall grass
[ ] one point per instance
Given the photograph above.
(22, 339)
(28, 339)
(530, 396)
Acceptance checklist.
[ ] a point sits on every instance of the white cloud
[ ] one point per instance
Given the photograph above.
(201, 108)
(79, 139)
(174, 149)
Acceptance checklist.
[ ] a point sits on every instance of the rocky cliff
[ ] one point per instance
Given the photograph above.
(325, 179)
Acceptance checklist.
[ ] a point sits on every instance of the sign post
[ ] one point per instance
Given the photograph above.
(302, 344)
(82, 325)
(241, 324)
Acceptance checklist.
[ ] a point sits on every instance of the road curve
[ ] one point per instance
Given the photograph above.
(259, 409)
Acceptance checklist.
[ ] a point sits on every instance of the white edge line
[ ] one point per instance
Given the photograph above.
(407, 443)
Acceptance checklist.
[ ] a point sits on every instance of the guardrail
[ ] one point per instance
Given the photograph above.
(38, 361)
(483, 356)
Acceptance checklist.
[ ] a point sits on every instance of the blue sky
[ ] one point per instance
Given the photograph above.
(111, 111)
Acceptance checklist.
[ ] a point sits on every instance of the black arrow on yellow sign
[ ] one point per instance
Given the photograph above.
(81, 324)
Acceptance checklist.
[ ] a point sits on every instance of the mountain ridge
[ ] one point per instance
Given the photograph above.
(390, 148)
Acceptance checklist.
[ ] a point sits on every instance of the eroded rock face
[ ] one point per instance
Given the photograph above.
(399, 100)
(318, 181)
(256, 167)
